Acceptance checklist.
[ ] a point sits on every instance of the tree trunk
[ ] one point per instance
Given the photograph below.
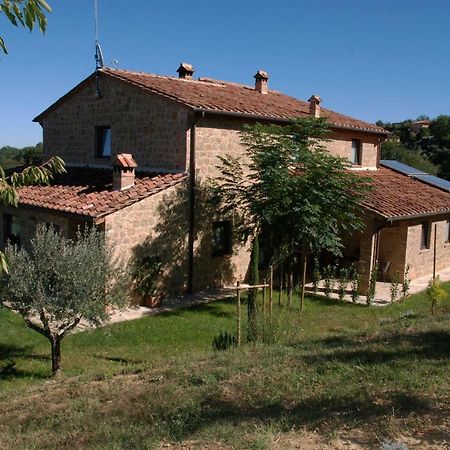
(302, 298)
(55, 342)
(253, 293)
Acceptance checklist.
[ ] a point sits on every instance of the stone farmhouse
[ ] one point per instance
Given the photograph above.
(140, 147)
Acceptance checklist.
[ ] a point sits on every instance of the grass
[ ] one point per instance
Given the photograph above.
(347, 371)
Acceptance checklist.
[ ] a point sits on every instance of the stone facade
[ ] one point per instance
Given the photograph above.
(150, 127)
(421, 260)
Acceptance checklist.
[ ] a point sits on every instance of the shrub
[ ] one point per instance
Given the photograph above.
(145, 273)
(224, 341)
(394, 287)
(406, 282)
(370, 295)
(342, 283)
(355, 284)
(329, 273)
(316, 275)
(435, 293)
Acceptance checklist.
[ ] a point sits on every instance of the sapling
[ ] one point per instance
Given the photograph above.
(406, 282)
(355, 284)
(394, 287)
(370, 295)
(435, 293)
(342, 283)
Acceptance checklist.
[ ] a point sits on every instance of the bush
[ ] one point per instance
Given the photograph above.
(224, 341)
(435, 293)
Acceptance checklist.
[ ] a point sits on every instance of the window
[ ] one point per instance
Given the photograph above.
(222, 241)
(425, 237)
(447, 231)
(103, 142)
(355, 157)
(12, 229)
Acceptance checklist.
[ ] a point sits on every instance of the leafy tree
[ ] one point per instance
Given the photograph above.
(288, 182)
(395, 150)
(58, 282)
(30, 155)
(25, 13)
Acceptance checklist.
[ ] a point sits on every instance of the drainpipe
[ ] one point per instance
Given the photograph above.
(192, 194)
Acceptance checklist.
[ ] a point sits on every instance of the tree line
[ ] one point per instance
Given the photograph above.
(426, 148)
(24, 156)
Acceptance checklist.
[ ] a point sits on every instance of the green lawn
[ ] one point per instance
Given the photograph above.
(370, 373)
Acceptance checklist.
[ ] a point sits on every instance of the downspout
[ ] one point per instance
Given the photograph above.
(192, 195)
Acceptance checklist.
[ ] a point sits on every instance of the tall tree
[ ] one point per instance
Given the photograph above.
(289, 183)
(25, 13)
(57, 282)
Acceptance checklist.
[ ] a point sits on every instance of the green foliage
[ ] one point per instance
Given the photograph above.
(370, 294)
(329, 274)
(25, 13)
(224, 341)
(435, 293)
(145, 273)
(293, 186)
(406, 282)
(59, 282)
(394, 287)
(398, 152)
(355, 282)
(343, 280)
(253, 293)
(316, 275)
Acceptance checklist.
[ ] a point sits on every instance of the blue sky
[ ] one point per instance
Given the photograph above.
(371, 59)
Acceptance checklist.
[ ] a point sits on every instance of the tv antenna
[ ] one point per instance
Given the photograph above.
(98, 50)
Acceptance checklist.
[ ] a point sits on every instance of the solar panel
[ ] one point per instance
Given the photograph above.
(400, 167)
(434, 181)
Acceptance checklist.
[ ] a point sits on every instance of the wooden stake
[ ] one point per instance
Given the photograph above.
(238, 314)
(280, 292)
(302, 298)
(270, 290)
(264, 297)
(434, 252)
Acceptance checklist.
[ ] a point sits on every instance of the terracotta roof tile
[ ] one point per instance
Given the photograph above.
(225, 97)
(88, 192)
(395, 195)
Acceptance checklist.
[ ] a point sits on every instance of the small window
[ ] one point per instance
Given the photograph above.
(222, 241)
(355, 157)
(425, 237)
(103, 141)
(12, 229)
(447, 231)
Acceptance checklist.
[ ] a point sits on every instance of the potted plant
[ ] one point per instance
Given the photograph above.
(146, 272)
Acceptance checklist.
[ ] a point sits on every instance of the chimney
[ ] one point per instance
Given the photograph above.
(261, 83)
(185, 71)
(123, 171)
(314, 106)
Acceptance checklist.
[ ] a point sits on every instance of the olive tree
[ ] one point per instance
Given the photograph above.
(58, 282)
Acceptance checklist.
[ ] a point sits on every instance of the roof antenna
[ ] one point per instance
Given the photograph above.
(98, 53)
(98, 50)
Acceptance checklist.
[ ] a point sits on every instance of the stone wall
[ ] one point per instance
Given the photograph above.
(421, 260)
(341, 144)
(149, 126)
(392, 247)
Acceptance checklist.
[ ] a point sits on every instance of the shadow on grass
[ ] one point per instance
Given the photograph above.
(324, 413)
(420, 345)
(214, 309)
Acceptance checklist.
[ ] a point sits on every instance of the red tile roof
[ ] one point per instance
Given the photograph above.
(224, 97)
(88, 192)
(396, 195)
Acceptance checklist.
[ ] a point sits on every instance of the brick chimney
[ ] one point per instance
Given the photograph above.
(185, 71)
(123, 171)
(314, 105)
(262, 82)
